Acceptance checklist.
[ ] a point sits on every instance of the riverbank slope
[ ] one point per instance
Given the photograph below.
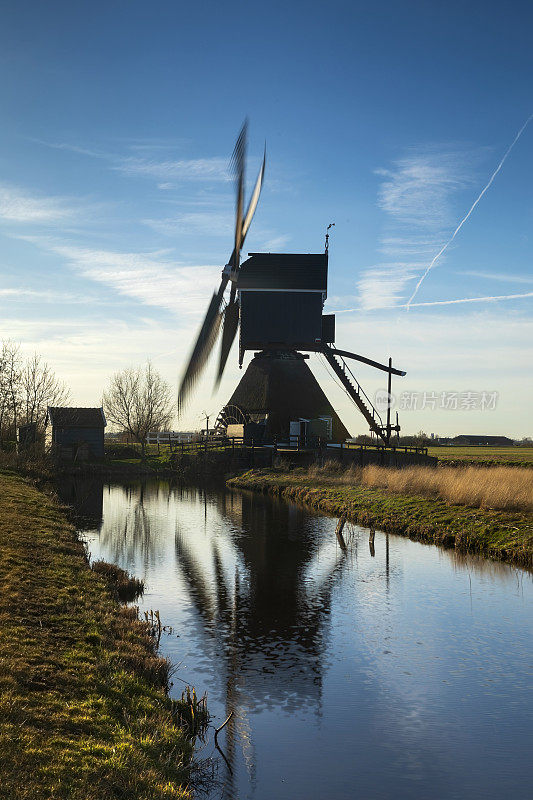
(83, 709)
(504, 535)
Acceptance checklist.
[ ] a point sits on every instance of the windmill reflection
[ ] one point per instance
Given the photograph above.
(262, 588)
(259, 578)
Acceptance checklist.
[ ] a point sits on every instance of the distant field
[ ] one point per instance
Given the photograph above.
(515, 455)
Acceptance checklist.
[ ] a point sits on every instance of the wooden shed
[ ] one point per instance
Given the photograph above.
(76, 433)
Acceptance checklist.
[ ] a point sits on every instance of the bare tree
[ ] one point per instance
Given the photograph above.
(39, 389)
(10, 372)
(26, 390)
(137, 401)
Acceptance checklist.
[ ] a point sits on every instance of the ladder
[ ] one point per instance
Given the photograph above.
(356, 392)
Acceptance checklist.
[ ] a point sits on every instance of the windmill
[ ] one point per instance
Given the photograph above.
(276, 303)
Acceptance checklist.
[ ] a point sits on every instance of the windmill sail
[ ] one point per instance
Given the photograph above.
(211, 325)
(230, 322)
(254, 199)
(229, 330)
(201, 350)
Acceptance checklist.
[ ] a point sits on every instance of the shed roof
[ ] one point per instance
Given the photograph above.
(77, 417)
(284, 271)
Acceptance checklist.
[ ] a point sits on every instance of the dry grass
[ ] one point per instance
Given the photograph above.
(504, 488)
(509, 489)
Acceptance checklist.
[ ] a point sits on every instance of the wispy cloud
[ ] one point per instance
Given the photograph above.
(150, 278)
(417, 189)
(212, 223)
(451, 238)
(504, 277)
(42, 296)
(17, 205)
(193, 169)
(142, 158)
(153, 143)
(71, 148)
(276, 243)
(469, 213)
(416, 194)
(383, 285)
(406, 246)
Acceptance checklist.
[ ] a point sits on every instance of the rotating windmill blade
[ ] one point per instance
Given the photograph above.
(211, 325)
(231, 312)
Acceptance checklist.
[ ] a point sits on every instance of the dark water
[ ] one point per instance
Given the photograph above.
(400, 675)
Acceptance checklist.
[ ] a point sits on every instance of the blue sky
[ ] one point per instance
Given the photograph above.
(116, 208)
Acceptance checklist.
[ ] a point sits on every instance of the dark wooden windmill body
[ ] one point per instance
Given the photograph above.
(278, 389)
(276, 303)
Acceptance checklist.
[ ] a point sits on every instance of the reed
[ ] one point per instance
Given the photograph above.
(191, 712)
(505, 488)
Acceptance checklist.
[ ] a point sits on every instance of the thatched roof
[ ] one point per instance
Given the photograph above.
(282, 386)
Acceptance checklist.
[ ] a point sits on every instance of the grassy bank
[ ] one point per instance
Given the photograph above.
(501, 534)
(83, 708)
(483, 456)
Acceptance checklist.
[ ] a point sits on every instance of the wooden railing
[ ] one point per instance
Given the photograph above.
(402, 448)
(294, 443)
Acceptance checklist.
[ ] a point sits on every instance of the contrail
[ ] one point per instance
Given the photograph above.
(487, 299)
(474, 299)
(456, 231)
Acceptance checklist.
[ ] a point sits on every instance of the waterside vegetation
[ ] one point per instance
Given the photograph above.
(499, 488)
(451, 507)
(84, 709)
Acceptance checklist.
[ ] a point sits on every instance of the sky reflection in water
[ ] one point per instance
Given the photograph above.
(403, 675)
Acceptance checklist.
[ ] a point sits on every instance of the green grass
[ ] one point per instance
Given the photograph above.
(522, 456)
(84, 714)
(503, 535)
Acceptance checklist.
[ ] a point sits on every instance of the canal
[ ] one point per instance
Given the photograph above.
(398, 671)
